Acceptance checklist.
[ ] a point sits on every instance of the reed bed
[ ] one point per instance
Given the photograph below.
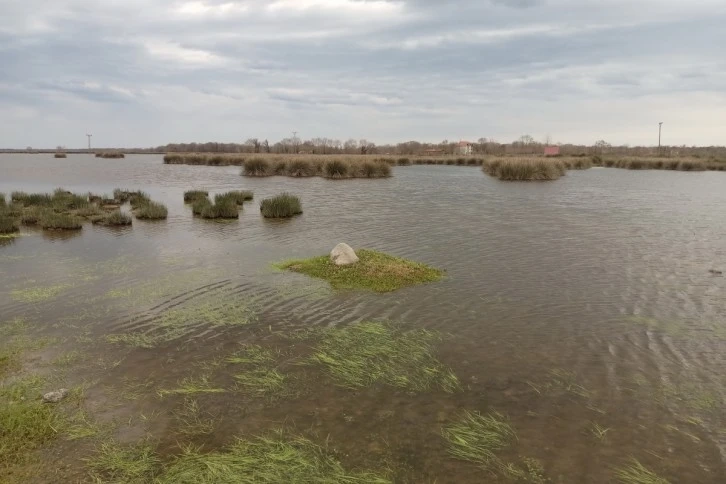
(150, 211)
(110, 154)
(192, 195)
(60, 155)
(8, 224)
(336, 169)
(113, 219)
(525, 169)
(225, 208)
(281, 206)
(675, 164)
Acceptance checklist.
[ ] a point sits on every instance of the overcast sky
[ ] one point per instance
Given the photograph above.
(148, 72)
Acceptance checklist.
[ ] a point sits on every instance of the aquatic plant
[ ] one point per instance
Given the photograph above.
(59, 221)
(113, 462)
(636, 473)
(38, 294)
(191, 420)
(2, 200)
(256, 167)
(404, 161)
(193, 195)
(525, 169)
(32, 199)
(200, 204)
(191, 386)
(115, 218)
(121, 195)
(151, 211)
(300, 168)
(336, 169)
(478, 438)
(281, 206)
(138, 199)
(225, 208)
(371, 353)
(238, 196)
(271, 459)
(60, 155)
(110, 154)
(8, 225)
(374, 271)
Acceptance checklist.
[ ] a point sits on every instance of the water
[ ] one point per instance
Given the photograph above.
(566, 304)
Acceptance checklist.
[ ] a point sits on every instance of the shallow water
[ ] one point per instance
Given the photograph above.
(585, 300)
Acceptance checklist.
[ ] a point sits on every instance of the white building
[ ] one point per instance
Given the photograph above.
(465, 148)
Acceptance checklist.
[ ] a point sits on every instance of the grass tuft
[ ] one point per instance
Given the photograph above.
(192, 195)
(151, 211)
(525, 169)
(114, 463)
(477, 438)
(256, 167)
(237, 196)
(636, 473)
(374, 271)
(373, 353)
(281, 206)
(265, 460)
(59, 221)
(115, 219)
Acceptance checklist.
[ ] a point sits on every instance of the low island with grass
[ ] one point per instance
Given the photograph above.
(374, 271)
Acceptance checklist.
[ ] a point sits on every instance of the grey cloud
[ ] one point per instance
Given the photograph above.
(383, 70)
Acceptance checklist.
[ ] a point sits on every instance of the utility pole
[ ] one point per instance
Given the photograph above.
(660, 127)
(294, 141)
(89, 142)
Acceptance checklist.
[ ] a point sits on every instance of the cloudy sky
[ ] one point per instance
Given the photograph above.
(148, 72)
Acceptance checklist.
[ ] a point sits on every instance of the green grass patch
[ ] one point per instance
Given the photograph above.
(237, 196)
(252, 354)
(151, 211)
(636, 473)
(265, 460)
(224, 208)
(38, 294)
(192, 195)
(192, 420)
(371, 353)
(114, 463)
(525, 169)
(59, 221)
(375, 271)
(113, 219)
(192, 386)
(258, 376)
(281, 206)
(478, 438)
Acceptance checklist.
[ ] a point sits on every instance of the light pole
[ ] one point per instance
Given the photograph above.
(660, 127)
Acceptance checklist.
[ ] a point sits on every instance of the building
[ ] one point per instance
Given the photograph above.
(552, 151)
(465, 148)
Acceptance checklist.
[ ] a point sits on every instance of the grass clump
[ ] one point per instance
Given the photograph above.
(636, 473)
(373, 353)
(264, 460)
(192, 195)
(281, 206)
(374, 271)
(525, 169)
(151, 211)
(113, 462)
(237, 196)
(200, 204)
(59, 221)
(477, 438)
(192, 386)
(336, 169)
(256, 167)
(8, 225)
(60, 155)
(114, 219)
(225, 208)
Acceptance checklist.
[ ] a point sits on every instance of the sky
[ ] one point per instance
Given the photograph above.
(138, 73)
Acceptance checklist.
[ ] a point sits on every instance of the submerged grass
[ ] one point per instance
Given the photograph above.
(272, 459)
(38, 294)
(636, 473)
(114, 463)
(281, 206)
(375, 271)
(373, 353)
(192, 420)
(192, 386)
(478, 438)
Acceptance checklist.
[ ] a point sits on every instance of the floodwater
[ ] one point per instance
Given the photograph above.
(583, 301)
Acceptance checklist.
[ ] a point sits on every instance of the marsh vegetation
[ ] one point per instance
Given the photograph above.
(284, 205)
(374, 271)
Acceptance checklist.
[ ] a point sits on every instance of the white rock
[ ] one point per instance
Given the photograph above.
(343, 255)
(55, 397)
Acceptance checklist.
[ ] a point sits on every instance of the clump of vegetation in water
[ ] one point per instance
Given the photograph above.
(59, 221)
(114, 219)
(193, 195)
(224, 209)
(336, 169)
(110, 154)
(8, 225)
(525, 169)
(237, 196)
(138, 199)
(372, 353)
(271, 459)
(60, 155)
(200, 205)
(258, 375)
(151, 211)
(281, 206)
(636, 473)
(375, 271)
(38, 294)
(192, 386)
(256, 167)
(478, 438)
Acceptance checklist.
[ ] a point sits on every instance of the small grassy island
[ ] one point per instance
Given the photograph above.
(375, 271)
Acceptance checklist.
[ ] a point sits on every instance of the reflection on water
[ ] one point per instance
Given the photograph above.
(582, 309)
